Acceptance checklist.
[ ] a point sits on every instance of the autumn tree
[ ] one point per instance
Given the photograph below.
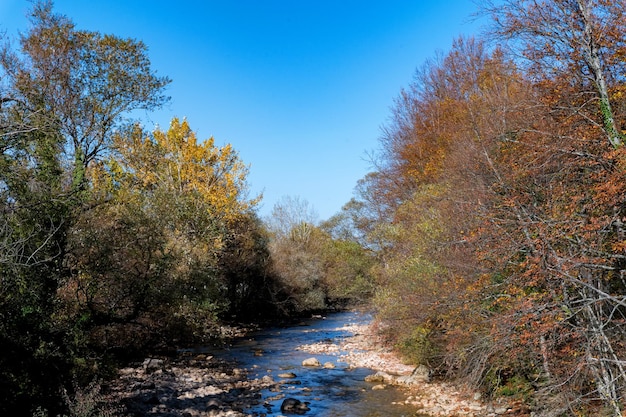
(64, 92)
(437, 151)
(295, 246)
(499, 184)
(571, 197)
(183, 203)
(316, 266)
(581, 39)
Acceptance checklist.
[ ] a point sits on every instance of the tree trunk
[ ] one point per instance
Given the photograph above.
(592, 59)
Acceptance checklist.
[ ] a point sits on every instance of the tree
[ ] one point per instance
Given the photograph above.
(64, 93)
(502, 235)
(314, 269)
(583, 38)
(176, 161)
(37, 356)
(82, 82)
(569, 203)
(245, 267)
(295, 246)
(182, 203)
(288, 213)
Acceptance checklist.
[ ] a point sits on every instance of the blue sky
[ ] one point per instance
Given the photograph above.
(300, 88)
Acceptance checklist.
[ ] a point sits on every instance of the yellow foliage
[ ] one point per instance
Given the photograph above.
(177, 162)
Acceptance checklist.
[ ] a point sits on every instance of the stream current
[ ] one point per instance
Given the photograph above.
(340, 391)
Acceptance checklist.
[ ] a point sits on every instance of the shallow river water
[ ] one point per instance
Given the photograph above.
(341, 391)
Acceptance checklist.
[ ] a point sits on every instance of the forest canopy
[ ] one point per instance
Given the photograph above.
(498, 207)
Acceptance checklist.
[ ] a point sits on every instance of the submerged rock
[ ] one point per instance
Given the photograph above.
(292, 405)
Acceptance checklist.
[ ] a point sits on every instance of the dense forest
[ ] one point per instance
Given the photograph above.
(489, 238)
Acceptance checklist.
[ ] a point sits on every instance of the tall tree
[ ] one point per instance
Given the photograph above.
(574, 52)
(583, 38)
(183, 204)
(64, 93)
(83, 82)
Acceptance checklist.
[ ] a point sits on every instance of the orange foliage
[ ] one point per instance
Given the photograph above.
(506, 205)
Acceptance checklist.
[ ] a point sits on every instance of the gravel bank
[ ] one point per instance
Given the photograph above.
(204, 386)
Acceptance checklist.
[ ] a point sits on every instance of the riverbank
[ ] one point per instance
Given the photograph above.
(201, 385)
(438, 399)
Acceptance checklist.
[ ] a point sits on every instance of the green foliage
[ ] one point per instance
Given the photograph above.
(173, 245)
(37, 355)
(416, 347)
(316, 270)
(51, 119)
(348, 271)
(112, 240)
(81, 81)
(505, 383)
(245, 269)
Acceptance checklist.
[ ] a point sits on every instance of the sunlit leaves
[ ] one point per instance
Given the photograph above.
(177, 162)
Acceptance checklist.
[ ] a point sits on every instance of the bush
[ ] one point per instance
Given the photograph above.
(416, 347)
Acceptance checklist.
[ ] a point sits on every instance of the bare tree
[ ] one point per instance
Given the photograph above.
(578, 37)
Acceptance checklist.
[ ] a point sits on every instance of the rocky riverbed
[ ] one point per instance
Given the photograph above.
(366, 349)
(203, 385)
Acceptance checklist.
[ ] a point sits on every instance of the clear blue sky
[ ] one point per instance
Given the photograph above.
(300, 88)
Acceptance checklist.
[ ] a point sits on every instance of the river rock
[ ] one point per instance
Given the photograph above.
(151, 365)
(329, 365)
(292, 405)
(287, 375)
(311, 362)
(419, 375)
(267, 379)
(380, 377)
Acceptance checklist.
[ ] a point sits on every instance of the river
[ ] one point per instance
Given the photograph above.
(340, 391)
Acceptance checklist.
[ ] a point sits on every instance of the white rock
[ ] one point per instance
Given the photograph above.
(311, 362)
